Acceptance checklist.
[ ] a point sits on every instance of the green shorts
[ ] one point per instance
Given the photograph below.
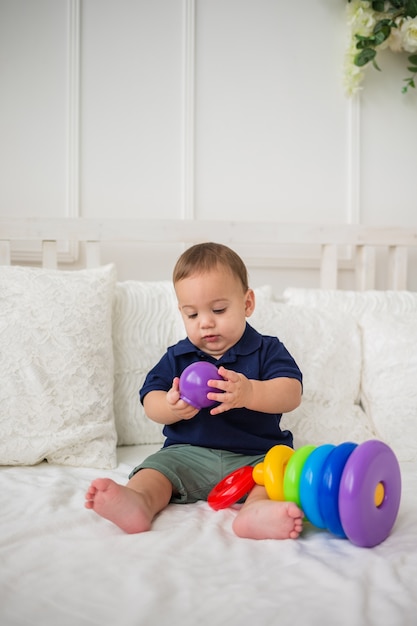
(194, 471)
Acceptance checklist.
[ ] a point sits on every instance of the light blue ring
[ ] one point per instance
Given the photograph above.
(310, 480)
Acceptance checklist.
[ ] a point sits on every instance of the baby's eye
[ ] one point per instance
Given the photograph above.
(219, 311)
(192, 316)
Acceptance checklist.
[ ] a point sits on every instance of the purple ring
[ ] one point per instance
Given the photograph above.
(365, 523)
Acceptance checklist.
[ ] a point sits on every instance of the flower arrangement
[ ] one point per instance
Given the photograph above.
(378, 25)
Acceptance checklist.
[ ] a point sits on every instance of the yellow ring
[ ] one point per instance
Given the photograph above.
(271, 472)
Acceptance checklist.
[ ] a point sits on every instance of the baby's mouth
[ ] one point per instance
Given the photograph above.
(210, 338)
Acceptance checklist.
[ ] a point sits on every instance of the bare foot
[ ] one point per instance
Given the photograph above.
(269, 519)
(121, 505)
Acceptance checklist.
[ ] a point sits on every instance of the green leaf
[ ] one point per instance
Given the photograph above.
(378, 5)
(363, 38)
(364, 56)
(397, 4)
(383, 26)
(412, 69)
(410, 8)
(369, 42)
(382, 31)
(382, 35)
(413, 59)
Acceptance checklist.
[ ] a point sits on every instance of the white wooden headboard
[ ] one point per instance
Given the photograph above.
(266, 240)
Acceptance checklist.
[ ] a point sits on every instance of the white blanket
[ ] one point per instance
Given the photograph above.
(61, 564)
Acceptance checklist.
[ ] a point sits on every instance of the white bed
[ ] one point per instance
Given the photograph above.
(60, 564)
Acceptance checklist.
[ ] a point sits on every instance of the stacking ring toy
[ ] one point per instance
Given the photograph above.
(352, 490)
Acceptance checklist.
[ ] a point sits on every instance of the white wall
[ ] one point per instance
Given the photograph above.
(227, 109)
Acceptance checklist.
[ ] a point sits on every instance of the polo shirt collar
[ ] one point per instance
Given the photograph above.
(247, 344)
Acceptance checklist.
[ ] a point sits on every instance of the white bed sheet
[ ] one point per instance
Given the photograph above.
(61, 564)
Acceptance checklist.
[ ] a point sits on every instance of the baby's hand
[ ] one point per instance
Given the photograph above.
(235, 391)
(181, 409)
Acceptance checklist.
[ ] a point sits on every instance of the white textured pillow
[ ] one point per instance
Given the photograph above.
(316, 423)
(388, 388)
(325, 347)
(146, 321)
(355, 303)
(56, 367)
(389, 384)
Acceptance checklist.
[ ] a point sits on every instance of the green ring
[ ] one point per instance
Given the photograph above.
(293, 472)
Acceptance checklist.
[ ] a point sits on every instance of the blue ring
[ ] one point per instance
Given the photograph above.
(329, 487)
(310, 480)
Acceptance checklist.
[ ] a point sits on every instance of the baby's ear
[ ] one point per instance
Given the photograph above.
(249, 302)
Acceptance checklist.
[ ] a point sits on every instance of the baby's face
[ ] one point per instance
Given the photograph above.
(214, 308)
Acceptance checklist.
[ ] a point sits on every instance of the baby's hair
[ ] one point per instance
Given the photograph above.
(204, 257)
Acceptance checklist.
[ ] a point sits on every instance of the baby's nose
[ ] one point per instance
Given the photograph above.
(206, 320)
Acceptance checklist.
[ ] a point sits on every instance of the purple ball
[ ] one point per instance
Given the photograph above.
(193, 384)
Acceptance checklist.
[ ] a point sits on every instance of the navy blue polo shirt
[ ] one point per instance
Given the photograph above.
(244, 431)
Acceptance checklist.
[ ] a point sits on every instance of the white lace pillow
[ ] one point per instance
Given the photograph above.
(389, 387)
(56, 367)
(146, 321)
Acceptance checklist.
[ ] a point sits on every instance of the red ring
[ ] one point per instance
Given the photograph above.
(233, 487)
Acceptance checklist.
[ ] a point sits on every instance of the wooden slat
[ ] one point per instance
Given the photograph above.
(397, 267)
(266, 242)
(365, 269)
(92, 254)
(190, 231)
(5, 254)
(329, 266)
(49, 255)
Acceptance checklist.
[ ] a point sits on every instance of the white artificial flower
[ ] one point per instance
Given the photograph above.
(361, 18)
(353, 75)
(408, 31)
(361, 21)
(394, 41)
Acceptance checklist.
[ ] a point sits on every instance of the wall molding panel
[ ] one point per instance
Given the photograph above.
(73, 117)
(197, 109)
(188, 110)
(353, 182)
(70, 253)
(67, 251)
